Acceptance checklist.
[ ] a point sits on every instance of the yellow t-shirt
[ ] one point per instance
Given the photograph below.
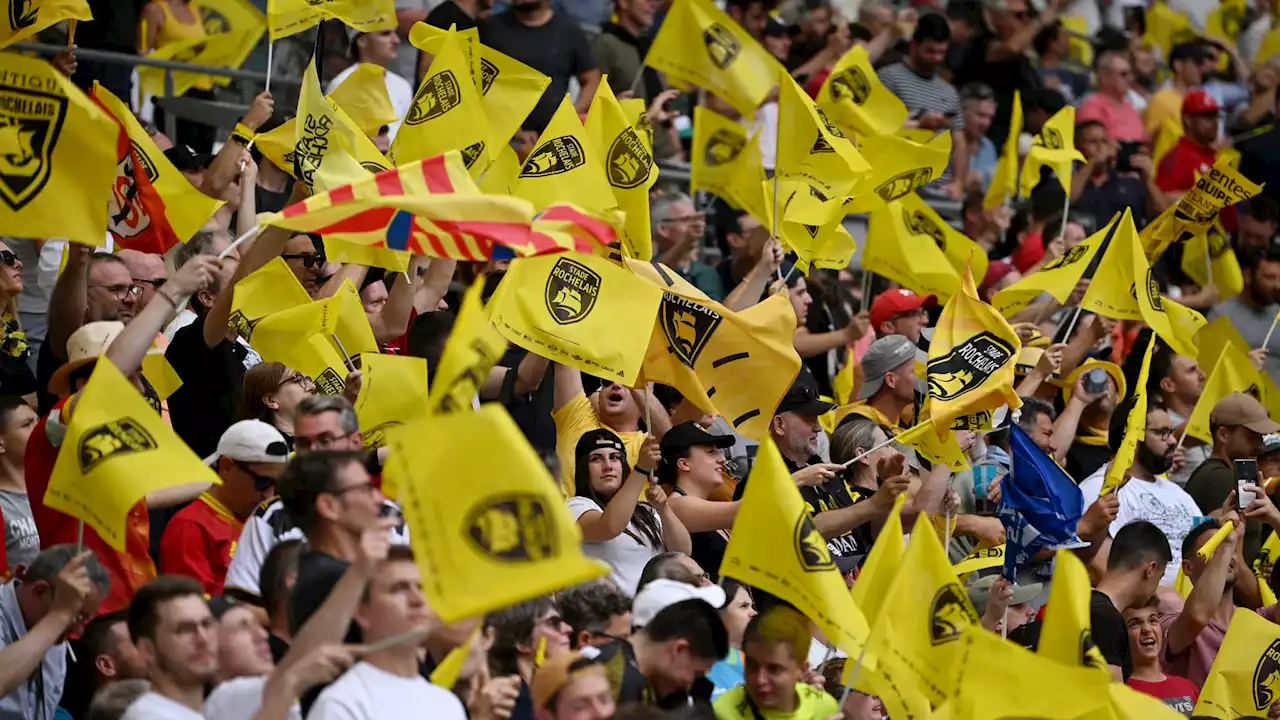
(1165, 104)
(814, 704)
(578, 417)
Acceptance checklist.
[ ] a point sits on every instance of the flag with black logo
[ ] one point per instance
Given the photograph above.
(735, 364)
(577, 310)
(1199, 207)
(393, 393)
(1067, 633)
(958, 248)
(289, 17)
(628, 165)
(446, 114)
(1053, 148)
(565, 164)
(473, 348)
(702, 46)
(57, 155)
(775, 546)
(853, 96)
(900, 167)
(270, 289)
(1208, 258)
(117, 451)
(907, 252)
(152, 206)
(486, 545)
(224, 50)
(24, 18)
(827, 247)
(971, 359)
(717, 144)
(1245, 678)
(1233, 372)
(813, 153)
(1058, 277)
(239, 19)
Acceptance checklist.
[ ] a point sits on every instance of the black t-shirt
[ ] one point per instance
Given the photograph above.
(448, 13)
(558, 49)
(1109, 633)
(205, 405)
(1084, 460)
(1003, 76)
(47, 363)
(631, 687)
(16, 377)
(531, 412)
(848, 549)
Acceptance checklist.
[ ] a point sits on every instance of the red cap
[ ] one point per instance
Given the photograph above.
(1198, 102)
(895, 302)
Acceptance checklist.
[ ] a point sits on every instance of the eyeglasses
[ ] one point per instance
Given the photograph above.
(552, 621)
(303, 442)
(155, 284)
(261, 482)
(308, 260)
(121, 291)
(8, 258)
(694, 218)
(1162, 433)
(364, 486)
(300, 379)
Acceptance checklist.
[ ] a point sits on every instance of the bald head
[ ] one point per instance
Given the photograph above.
(147, 271)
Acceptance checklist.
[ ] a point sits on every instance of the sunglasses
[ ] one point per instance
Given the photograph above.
(8, 258)
(308, 260)
(261, 482)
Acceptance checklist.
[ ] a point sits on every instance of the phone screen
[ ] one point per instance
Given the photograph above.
(1246, 474)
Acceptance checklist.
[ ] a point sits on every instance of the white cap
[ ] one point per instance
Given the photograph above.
(251, 441)
(661, 594)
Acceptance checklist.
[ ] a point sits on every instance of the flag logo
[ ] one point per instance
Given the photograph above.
(950, 615)
(1266, 677)
(646, 127)
(629, 161)
(377, 437)
(812, 230)
(1218, 244)
(113, 439)
(215, 23)
(126, 216)
(821, 146)
(308, 153)
(722, 46)
(438, 95)
(30, 123)
(811, 549)
(976, 422)
(851, 84)
(146, 163)
(1070, 257)
(572, 289)
(21, 14)
(330, 382)
(723, 147)
(688, 327)
(1153, 292)
(242, 325)
(1051, 139)
(374, 167)
(555, 156)
(472, 153)
(830, 126)
(512, 528)
(919, 224)
(967, 366)
(488, 73)
(1256, 393)
(902, 184)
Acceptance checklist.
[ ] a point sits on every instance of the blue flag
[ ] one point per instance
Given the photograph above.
(1039, 504)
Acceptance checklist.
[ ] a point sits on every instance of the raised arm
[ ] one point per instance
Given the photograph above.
(70, 299)
(607, 524)
(131, 345)
(700, 515)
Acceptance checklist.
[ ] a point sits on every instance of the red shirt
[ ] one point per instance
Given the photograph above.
(1176, 692)
(199, 542)
(1187, 159)
(128, 570)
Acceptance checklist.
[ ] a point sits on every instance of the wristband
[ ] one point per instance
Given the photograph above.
(242, 134)
(172, 301)
(646, 473)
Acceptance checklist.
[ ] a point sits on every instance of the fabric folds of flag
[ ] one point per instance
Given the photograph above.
(1067, 633)
(717, 144)
(1040, 504)
(1004, 183)
(857, 101)
(1135, 429)
(289, 17)
(1053, 148)
(1242, 680)
(629, 167)
(25, 18)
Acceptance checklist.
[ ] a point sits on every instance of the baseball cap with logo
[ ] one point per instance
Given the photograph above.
(896, 302)
(598, 439)
(1241, 410)
(660, 594)
(1199, 102)
(251, 441)
(883, 356)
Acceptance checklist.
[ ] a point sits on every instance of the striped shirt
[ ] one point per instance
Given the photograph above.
(921, 95)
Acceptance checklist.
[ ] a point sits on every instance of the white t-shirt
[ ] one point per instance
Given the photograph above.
(154, 706)
(398, 88)
(1160, 503)
(625, 556)
(240, 699)
(364, 692)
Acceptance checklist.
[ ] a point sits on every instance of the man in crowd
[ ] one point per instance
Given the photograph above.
(176, 636)
(147, 270)
(1238, 423)
(1001, 606)
(1080, 432)
(1168, 102)
(978, 103)
(1178, 383)
(1196, 149)
(901, 312)
(1256, 220)
(1146, 641)
(1138, 557)
(775, 648)
(21, 539)
(379, 48)
(888, 382)
(597, 611)
(112, 654)
(200, 540)
(1253, 311)
(1110, 105)
(677, 230)
(929, 98)
(1101, 189)
(572, 687)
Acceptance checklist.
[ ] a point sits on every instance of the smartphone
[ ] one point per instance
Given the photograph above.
(1095, 381)
(1246, 474)
(1125, 151)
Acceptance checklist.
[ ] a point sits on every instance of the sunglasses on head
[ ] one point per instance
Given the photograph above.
(308, 260)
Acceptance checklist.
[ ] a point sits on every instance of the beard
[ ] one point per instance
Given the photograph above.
(1158, 464)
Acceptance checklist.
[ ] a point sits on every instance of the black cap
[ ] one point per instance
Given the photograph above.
(187, 160)
(596, 439)
(688, 434)
(775, 28)
(220, 604)
(803, 398)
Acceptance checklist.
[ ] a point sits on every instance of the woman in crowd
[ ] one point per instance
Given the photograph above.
(16, 377)
(524, 637)
(272, 392)
(617, 528)
(737, 612)
(692, 467)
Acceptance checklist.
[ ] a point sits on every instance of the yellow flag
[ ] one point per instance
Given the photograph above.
(157, 370)
(1213, 340)
(1079, 49)
(747, 184)
(132, 219)
(1233, 372)
(916, 635)
(702, 46)
(280, 145)
(774, 546)
(1245, 678)
(1054, 148)
(327, 144)
(446, 673)
(735, 364)
(564, 164)
(344, 251)
(1057, 277)
(288, 17)
(934, 443)
(25, 18)
(510, 88)
(1269, 46)
(872, 584)
(717, 144)
(900, 168)
(980, 559)
(829, 247)
(225, 50)
(813, 152)
(1208, 257)
(232, 17)
(484, 545)
(117, 451)
(1166, 138)
(474, 347)
(1135, 429)
(446, 114)
(1125, 289)
(270, 289)
(393, 392)
(578, 310)
(843, 382)
(628, 164)
(1067, 633)
(853, 96)
(902, 246)
(364, 98)
(501, 173)
(959, 249)
(1198, 207)
(1262, 568)
(971, 359)
(1004, 183)
(314, 338)
(1166, 27)
(57, 152)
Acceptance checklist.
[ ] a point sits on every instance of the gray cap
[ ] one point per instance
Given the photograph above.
(884, 355)
(1270, 444)
(980, 590)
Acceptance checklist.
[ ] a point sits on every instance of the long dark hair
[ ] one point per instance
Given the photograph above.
(644, 517)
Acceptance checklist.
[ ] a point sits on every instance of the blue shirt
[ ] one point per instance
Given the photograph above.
(727, 674)
(983, 161)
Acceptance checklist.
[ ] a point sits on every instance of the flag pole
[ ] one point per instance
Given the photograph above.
(240, 241)
(271, 46)
(71, 32)
(868, 279)
(1267, 340)
(1072, 325)
(79, 537)
(865, 453)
